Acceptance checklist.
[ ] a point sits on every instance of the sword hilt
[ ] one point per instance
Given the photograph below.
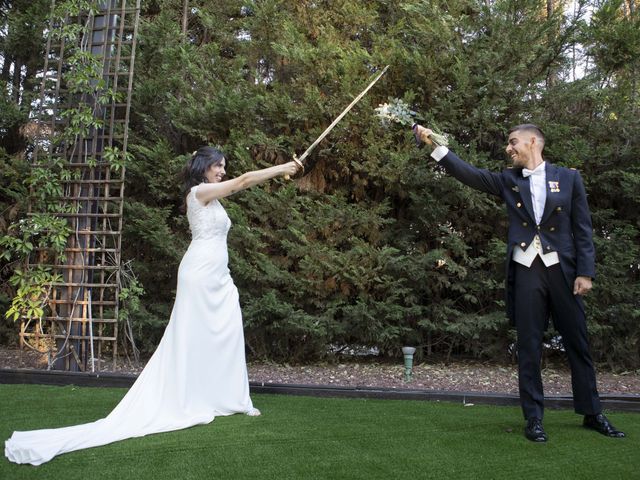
(300, 164)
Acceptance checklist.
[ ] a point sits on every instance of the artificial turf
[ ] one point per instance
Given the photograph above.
(317, 438)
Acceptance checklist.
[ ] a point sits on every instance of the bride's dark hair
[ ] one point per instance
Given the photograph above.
(197, 166)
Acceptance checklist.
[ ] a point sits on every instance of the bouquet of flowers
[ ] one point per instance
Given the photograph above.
(397, 111)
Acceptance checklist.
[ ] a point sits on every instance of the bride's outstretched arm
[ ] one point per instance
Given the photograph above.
(211, 191)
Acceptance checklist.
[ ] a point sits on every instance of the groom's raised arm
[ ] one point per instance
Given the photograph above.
(477, 178)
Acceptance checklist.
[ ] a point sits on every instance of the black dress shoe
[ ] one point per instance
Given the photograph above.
(534, 431)
(601, 424)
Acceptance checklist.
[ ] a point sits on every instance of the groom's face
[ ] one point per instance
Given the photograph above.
(520, 147)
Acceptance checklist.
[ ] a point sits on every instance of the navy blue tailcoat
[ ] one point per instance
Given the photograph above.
(565, 226)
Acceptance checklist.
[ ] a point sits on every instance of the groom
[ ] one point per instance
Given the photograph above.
(550, 265)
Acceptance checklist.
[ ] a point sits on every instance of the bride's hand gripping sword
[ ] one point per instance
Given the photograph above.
(301, 160)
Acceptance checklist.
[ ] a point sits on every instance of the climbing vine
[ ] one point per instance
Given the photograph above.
(42, 235)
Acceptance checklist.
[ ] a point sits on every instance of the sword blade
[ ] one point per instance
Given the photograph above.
(339, 117)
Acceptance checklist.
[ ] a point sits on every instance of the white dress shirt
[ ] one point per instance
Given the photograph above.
(537, 181)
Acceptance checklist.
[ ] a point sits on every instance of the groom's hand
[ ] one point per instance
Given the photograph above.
(582, 285)
(422, 134)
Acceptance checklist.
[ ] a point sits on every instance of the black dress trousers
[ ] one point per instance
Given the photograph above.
(540, 291)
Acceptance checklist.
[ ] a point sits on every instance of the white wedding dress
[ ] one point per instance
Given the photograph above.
(198, 370)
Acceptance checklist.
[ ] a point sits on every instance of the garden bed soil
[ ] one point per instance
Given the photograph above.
(455, 376)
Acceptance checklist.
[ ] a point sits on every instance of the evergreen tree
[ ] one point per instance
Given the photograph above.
(374, 245)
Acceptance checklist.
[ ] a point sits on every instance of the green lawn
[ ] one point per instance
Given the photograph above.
(307, 438)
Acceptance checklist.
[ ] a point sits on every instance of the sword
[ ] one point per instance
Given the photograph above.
(300, 160)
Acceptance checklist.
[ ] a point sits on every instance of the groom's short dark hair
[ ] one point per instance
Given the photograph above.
(528, 127)
(531, 128)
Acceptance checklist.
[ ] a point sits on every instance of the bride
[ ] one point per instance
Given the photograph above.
(198, 370)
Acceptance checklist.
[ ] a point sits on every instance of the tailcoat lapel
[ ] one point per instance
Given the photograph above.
(525, 193)
(553, 190)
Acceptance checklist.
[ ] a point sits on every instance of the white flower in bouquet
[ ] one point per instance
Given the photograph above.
(395, 111)
(398, 111)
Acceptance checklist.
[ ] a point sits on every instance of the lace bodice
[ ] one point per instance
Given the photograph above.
(206, 221)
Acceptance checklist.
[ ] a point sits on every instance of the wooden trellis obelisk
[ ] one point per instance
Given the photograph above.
(83, 321)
